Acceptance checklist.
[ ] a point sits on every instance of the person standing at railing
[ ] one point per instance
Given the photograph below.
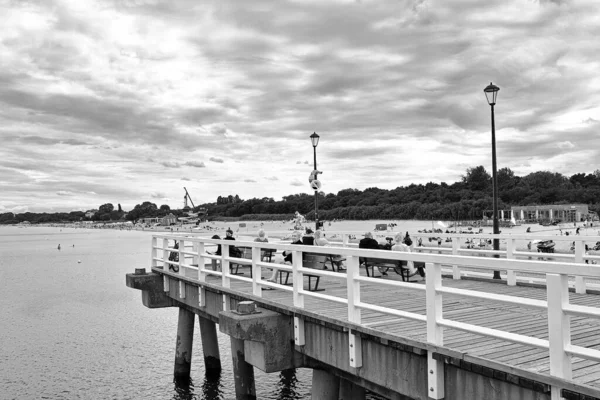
(336, 260)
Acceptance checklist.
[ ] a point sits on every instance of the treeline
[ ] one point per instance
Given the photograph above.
(468, 198)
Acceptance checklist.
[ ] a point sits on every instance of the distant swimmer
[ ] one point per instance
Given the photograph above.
(59, 247)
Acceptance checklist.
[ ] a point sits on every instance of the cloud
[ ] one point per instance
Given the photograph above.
(170, 164)
(272, 178)
(158, 195)
(296, 182)
(249, 180)
(185, 179)
(161, 88)
(197, 164)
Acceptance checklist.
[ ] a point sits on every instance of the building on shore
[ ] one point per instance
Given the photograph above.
(552, 213)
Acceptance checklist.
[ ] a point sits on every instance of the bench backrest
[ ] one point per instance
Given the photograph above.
(315, 261)
(373, 260)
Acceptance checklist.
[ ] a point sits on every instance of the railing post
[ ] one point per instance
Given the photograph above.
(225, 274)
(181, 272)
(256, 272)
(298, 297)
(165, 264)
(559, 329)
(201, 276)
(511, 276)
(435, 333)
(579, 280)
(455, 268)
(354, 313)
(345, 239)
(154, 253)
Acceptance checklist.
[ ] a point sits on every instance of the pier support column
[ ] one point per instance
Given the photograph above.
(242, 371)
(183, 347)
(351, 391)
(325, 386)
(210, 345)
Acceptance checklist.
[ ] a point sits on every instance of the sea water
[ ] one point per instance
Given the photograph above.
(71, 328)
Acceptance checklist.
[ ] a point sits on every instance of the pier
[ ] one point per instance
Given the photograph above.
(443, 337)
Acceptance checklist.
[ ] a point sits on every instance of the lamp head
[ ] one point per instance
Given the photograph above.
(314, 138)
(491, 92)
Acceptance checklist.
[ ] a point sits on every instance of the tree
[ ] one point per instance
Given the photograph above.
(120, 209)
(105, 208)
(477, 178)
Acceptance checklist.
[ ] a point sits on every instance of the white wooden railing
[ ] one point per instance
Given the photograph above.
(194, 256)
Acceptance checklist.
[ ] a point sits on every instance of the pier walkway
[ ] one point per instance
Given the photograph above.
(435, 338)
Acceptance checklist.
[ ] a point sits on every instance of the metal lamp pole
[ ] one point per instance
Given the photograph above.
(314, 138)
(491, 92)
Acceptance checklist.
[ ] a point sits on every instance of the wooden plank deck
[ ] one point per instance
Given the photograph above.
(512, 318)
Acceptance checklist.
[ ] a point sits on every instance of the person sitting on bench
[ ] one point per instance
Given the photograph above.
(401, 246)
(286, 258)
(369, 243)
(335, 259)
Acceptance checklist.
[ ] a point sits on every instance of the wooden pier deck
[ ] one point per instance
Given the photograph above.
(485, 350)
(496, 335)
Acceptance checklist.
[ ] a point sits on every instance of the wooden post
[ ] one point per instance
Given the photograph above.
(511, 276)
(165, 264)
(298, 297)
(210, 345)
(579, 280)
(455, 268)
(180, 266)
(242, 372)
(325, 386)
(183, 347)
(354, 313)
(256, 272)
(559, 329)
(201, 276)
(435, 333)
(225, 274)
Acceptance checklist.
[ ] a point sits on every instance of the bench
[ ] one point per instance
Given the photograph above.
(399, 266)
(314, 261)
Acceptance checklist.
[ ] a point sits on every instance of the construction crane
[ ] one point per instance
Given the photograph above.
(185, 200)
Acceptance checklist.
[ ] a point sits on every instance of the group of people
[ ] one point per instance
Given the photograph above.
(399, 243)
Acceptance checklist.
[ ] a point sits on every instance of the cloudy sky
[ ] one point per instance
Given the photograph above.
(125, 101)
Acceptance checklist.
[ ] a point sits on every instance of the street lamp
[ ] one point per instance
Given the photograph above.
(491, 92)
(314, 139)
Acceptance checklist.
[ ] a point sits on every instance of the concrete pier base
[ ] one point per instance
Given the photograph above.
(183, 348)
(351, 391)
(210, 345)
(325, 386)
(243, 372)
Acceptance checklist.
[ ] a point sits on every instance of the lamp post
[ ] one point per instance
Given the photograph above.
(314, 138)
(491, 92)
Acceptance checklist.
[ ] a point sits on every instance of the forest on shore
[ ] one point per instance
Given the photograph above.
(467, 199)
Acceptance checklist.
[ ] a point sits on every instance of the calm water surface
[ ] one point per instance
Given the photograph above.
(71, 329)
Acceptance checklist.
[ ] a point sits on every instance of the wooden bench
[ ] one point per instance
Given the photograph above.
(399, 266)
(314, 261)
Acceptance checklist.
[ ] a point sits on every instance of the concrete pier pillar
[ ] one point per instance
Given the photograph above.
(210, 345)
(325, 386)
(242, 371)
(351, 391)
(183, 348)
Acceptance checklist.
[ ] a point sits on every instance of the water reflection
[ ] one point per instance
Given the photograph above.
(287, 385)
(184, 389)
(211, 387)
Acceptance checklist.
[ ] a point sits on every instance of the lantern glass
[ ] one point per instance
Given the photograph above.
(314, 138)
(491, 92)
